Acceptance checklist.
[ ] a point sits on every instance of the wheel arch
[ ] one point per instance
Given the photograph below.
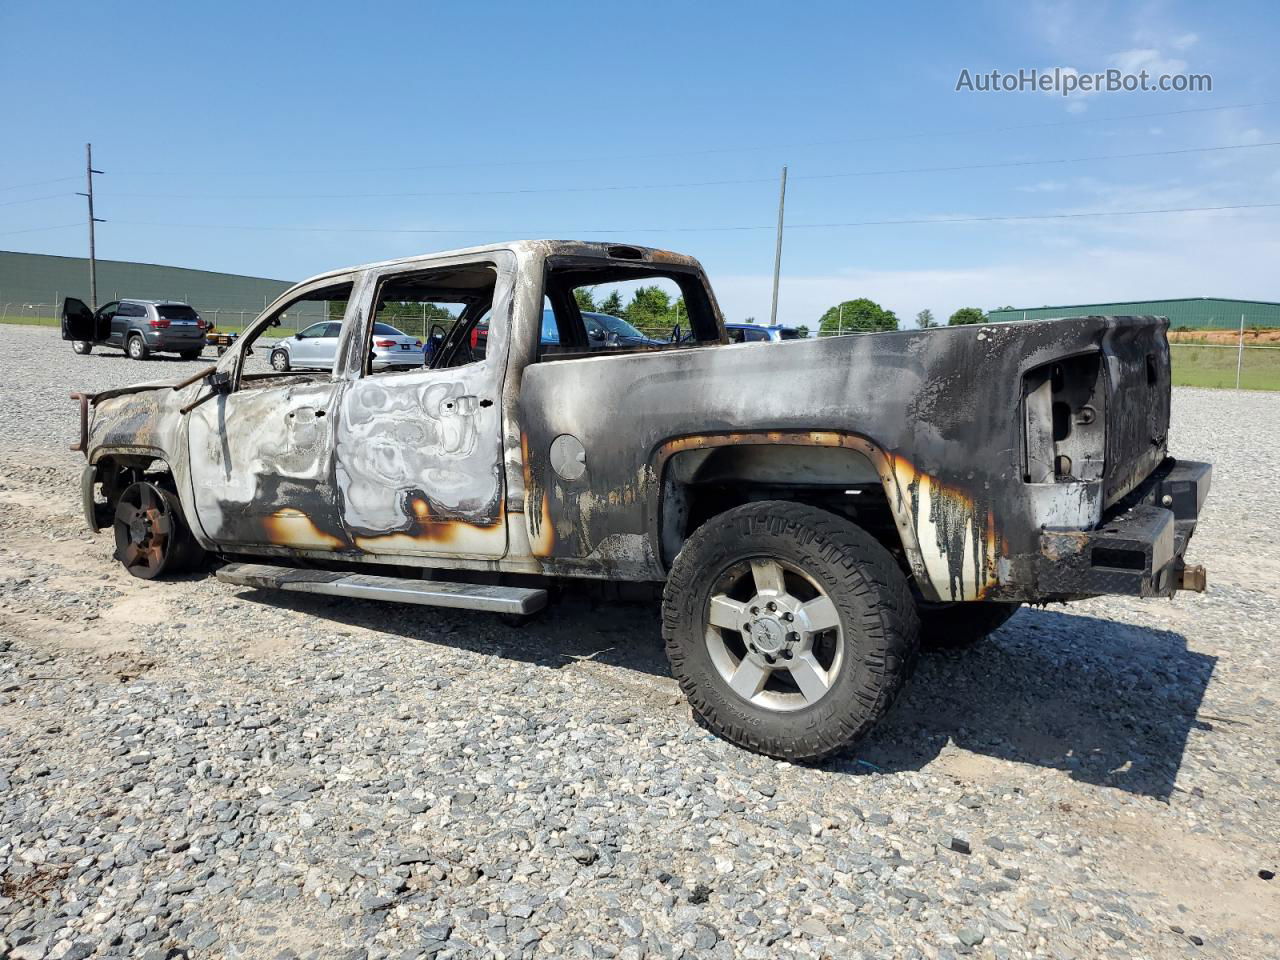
(115, 467)
(805, 462)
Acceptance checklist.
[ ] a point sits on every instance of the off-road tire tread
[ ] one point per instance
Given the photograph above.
(856, 561)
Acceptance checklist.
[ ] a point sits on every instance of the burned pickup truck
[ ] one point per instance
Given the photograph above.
(810, 510)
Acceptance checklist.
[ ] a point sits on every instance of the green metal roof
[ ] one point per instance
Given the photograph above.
(35, 283)
(1196, 313)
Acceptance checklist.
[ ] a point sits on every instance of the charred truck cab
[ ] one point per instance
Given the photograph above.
(811, 509)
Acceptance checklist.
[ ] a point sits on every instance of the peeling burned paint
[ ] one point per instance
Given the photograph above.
(955, 531)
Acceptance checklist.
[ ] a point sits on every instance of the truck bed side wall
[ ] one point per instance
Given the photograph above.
(939, 411)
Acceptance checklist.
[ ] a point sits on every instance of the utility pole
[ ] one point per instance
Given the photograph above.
(840, 321)
(93, 260)
(777, 255)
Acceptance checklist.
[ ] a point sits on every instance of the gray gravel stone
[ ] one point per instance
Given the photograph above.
(302, 778)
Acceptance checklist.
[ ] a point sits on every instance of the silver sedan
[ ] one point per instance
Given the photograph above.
(316, 348)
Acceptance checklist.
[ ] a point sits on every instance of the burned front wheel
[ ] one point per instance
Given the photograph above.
(790, 629)
(152, 539)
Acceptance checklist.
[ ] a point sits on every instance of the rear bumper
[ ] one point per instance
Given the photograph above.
(1139, 548)
(173, 340)
(398, 359)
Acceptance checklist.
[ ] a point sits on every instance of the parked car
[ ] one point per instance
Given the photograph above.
(755, 333)
(810, 514)
(316, 348)
(139, 327)
(603, 331)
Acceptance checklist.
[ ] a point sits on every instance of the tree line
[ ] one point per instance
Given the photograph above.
(867, 316)
(651, 308)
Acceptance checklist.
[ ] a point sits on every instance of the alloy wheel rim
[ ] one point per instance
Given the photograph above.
(774, 634)
(143, 527)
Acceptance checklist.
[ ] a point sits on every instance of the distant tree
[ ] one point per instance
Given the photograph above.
(586, 301)
(612, 305)
(858, 316)
(803, 331)
(651, 308)
(749, 320)
(924, 319)
(966, 315)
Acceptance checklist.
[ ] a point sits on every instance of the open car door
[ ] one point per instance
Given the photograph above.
(77, 321)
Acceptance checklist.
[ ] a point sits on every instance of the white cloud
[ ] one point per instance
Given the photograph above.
(1148, 59)
(1044, 186)
(1184, 41)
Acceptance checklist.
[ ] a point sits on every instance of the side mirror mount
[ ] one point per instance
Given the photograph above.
(219, 384)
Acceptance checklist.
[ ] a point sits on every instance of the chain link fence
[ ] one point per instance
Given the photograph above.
(1238, 352)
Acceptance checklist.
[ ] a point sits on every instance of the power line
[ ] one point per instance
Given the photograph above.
(60, 226)
(51, 196)
(38, 183)
(507, 231)
(1035, 163)
(578, 158)
(699, 183)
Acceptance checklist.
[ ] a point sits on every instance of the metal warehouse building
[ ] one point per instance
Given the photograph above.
(1194, 313)
(33, 285)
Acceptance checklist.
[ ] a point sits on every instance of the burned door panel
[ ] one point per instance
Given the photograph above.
(262, 466)
(419, 455)
(419, 463)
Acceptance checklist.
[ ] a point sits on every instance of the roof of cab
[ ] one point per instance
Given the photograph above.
(583, 248)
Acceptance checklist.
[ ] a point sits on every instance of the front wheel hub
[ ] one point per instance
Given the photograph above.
(774, 635)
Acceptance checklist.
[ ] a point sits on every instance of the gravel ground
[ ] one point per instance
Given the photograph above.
(190, 769)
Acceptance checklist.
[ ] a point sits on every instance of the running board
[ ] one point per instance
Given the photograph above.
(431, 593)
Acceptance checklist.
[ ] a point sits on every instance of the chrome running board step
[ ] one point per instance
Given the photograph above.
(431, 593)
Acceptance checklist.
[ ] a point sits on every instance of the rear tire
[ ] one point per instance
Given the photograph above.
(956, 626)
(826, 633)
(137, 348)
(152, 537)
(82, 347)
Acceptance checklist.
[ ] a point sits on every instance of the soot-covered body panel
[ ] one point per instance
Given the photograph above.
(995, 452)
(938, 414)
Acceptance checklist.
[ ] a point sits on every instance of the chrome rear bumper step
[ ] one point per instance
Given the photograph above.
(431, 593)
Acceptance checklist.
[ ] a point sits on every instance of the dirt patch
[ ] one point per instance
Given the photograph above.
(1252, 338)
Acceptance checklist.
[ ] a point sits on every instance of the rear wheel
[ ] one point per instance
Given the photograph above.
(954, 626)
(81, 347)
(137, 348)
(790, 630)
(152, 539)
(280, 360)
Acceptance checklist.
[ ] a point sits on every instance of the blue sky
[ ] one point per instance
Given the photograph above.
(268, 115)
